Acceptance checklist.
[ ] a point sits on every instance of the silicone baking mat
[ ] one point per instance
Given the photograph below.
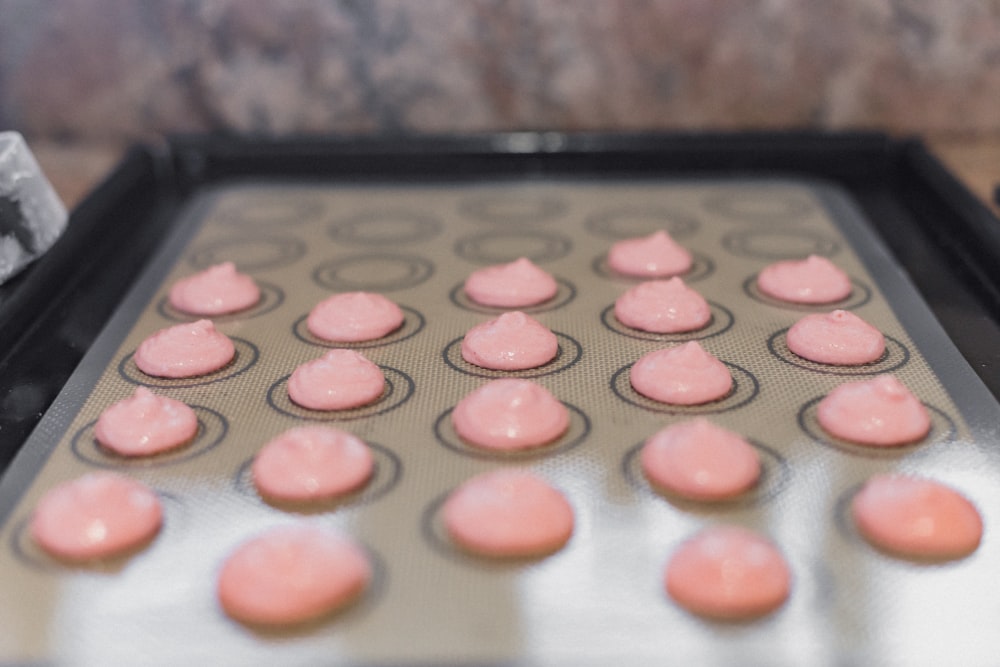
(601, 597)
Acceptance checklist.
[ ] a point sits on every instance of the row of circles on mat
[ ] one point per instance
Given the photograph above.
(433, 532)
(775, 477)
(327, 276)
(569, 351)
(213, 426)
(384, 226)
(268, 251)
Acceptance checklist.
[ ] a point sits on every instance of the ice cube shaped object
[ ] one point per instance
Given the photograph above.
(31, 215)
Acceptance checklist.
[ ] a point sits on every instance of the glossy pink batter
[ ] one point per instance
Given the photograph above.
(311, 463)
(663, 306)
(813, 280)
(292, 574)
(514, 341)
(728, 572)
(841, 338)
(653, 256)
(99, 515)
(353, 317)
(516, 285)
(880, 412)
(510, 414)
(916, 517)
(700, 461)
(185, 350)
(339, 380)
(145, 424)
(681, 375)
(508, 514)
(218, 290)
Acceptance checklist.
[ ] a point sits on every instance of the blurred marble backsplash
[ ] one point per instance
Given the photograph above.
(121, 70)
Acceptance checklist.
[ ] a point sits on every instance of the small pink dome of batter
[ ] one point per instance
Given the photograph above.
(916, 517)
(663, 306)
(218, 290)
(508, 514)
(880, 412)
(841, 338)
(510, 414)
(99, 515)
(700, 461)
(813, 280)
(339, 380)
(516, 285)
(145, 424)
(353, 317)
(292, 574)
(653, 256)
(681, 375)
(185, 350)
(514, 341)
(311, 463)
(728, 573)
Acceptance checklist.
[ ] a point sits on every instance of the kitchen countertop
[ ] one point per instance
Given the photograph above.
(145, 69)
(75, 169)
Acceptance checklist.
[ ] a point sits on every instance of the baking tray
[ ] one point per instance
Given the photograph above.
(915, 240)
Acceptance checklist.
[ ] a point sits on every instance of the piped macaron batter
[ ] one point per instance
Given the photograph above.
(218, 290)
(519, 284)
(292, 574)
(145, 424)
(514, 341)
(184, 351)
(653, 256)
(508, 514)
(682, 375)
(99, 515)
(339, 380)
(510, 415)
(881, 412)
(839, 338)
(814, 280)
(663, 306)
(352, 317)
(728, 572)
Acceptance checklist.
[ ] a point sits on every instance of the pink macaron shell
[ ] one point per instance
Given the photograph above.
(880, 412)
(518, 284)
(663, 306)
(839, 338)
(99, 515)
(508, 514)
(292, 574)
(185, 350)
(681, 375)
(339, 380)
(730, 573)
(145, 424)
(814, 280)
(513, 341)
(653, 256)
(312, 463)
(916, 517)
(509, 415)
(698, 460)
(353, 317)
(218, 290)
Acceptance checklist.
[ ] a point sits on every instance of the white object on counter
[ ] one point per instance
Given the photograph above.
(32, 217)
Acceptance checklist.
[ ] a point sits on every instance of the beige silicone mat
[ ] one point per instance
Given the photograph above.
(599, 599)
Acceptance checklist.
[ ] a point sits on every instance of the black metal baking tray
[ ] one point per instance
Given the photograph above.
(944, 238)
